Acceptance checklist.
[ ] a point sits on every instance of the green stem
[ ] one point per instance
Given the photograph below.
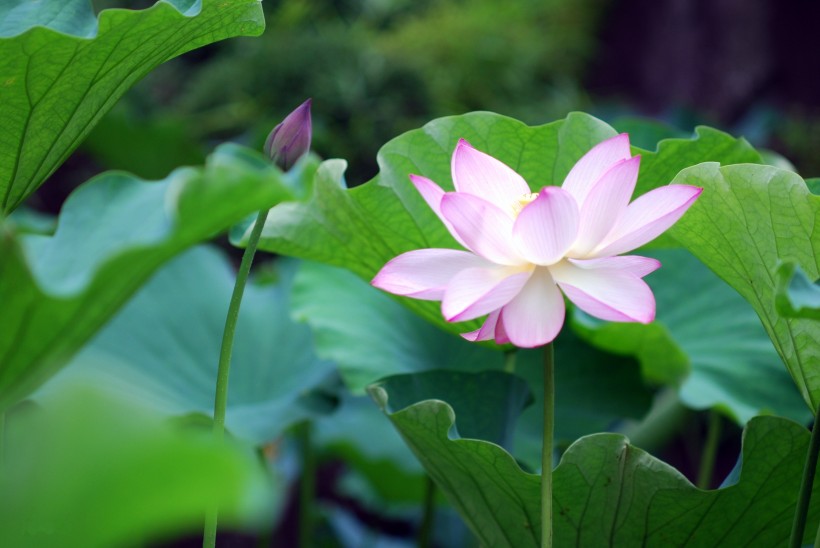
(817, 539)
(307, 485)
(426, 528)
(509, 361)
(546, 447)
(223, 373)
(809, 469)
(2, 441)
(707, 459)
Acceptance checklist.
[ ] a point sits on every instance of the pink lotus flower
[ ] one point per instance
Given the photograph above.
(524, 246)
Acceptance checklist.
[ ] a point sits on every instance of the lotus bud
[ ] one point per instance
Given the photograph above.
(291, 138)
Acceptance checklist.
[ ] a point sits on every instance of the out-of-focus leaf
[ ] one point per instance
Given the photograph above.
(360, 435)
(63, 69)
(607, 492)
(797, 296)
(748, 220)
(370, 336)
(164, 346)
(363, 228)
(148, 148)
(96, 470)
(728, 359)
(646, 133)
(113, 233)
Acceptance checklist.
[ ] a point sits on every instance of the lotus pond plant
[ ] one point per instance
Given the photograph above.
(552, 304)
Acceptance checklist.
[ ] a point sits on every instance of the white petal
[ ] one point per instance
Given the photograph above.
(479, 174)
(424, 273)
(633, 264)
(648, 217)
(432, 194)
(605, 204)
(474, 292)
(606, 293)
(546, 227)
(482, 227)
(535, 316)
(586, 172)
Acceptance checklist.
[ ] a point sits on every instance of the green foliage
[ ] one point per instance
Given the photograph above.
(748, 220)
(595, 390)
(90, 469)
(369, 335)
(606, 492)
(113, 233)
(177, 318)
(707, 333)
(376, 69)
(797, 296)
(62, 70)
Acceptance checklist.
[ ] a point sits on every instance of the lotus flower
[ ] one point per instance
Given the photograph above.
(524, 249)
(290, 140)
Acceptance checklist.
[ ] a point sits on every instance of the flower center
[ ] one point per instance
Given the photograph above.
(522, 201)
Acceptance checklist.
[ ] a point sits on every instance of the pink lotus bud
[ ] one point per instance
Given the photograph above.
(290, 139)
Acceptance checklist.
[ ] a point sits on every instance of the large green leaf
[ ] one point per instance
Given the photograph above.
(370, 336)
(62, 70)
(729, 360)
(363, 228)
(164, 345)
(607, 492)
(113, 233)
(97, 470)
(748, 220)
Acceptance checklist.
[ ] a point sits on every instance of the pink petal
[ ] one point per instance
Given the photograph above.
(647, 217)
(605, 204)
(632, 264)
(483, 228)
(486, 331)
(474, 292)
(606, 293)
(424, 273)
(479, 174)
(546, 228)
(432, 194)
(501, 336)
(535, 316)
(586, 172)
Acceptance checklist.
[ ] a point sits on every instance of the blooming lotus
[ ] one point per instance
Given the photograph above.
(524, 249)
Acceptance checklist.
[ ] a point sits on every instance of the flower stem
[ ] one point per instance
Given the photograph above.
(426, 528)
(809, 469)
(221, 397)
(2, 441)
(707, 459)
(546, 447)
(509, 361)
(307, 485)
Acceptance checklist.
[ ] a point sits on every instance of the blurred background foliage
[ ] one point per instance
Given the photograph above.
(377, 68)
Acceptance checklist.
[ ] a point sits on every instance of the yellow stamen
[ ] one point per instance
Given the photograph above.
(525, 199)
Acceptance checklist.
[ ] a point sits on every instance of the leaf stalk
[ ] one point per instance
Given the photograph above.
(224, 371)
(809, 470)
